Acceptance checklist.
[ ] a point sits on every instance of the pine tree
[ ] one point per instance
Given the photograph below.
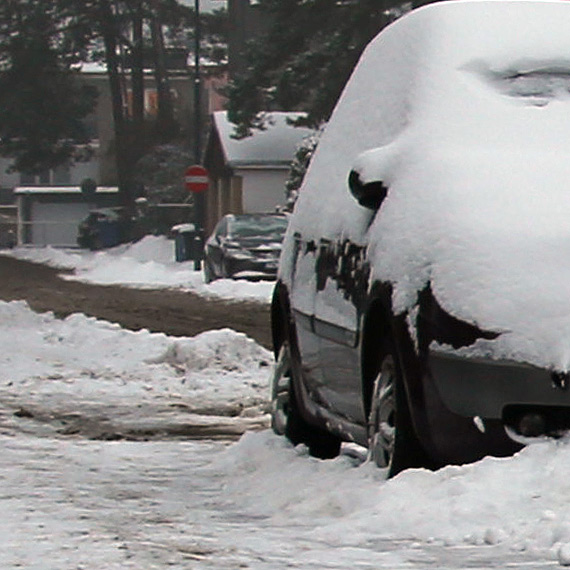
(304, 60)
(42, 101)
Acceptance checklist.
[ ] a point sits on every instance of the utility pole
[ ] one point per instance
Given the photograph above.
(199, 197)
(197, 87)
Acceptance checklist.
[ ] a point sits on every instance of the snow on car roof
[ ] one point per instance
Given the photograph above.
(461, 108)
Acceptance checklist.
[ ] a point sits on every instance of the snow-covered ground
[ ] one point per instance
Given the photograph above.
(148, 263)
(70, 502)
(81, 486)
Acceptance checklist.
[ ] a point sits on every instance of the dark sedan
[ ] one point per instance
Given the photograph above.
(245, 246)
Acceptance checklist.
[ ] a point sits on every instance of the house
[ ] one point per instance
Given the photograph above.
(248, 175)
(57, 191)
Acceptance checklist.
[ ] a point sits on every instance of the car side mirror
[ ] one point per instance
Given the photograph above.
(368, 175)
(370, 194)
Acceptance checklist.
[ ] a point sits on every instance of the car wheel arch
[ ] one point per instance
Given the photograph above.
(376, 325)
(280, 316)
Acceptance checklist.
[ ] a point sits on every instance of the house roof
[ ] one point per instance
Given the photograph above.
(207, 5)
(273, 147)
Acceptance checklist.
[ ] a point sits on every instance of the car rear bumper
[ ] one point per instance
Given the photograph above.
(251, 269)
(481, 387)
(464, 409)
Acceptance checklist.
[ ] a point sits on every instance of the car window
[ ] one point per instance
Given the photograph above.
(258, 226)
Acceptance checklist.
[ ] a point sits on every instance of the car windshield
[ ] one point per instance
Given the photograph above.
(249, 226)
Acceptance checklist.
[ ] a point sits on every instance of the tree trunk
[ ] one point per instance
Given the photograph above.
(137, 68)
(110, 33)
(166, 126)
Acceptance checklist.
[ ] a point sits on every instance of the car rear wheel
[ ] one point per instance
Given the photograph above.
(392, 442)
(280, 390)
(286, 416)
(382, 418)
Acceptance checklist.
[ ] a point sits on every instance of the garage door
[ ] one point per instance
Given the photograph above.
(56, 224)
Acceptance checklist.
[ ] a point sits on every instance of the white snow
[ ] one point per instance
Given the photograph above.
(462, 109)
(69, 503)
(66, 500)
(81, 359)
(272, 147)
(146, 264)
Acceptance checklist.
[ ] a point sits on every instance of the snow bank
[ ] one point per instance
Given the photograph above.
(521, 502)
(341, 509)
(146, 264)
(91, 360)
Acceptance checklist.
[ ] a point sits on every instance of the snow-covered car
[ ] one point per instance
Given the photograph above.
(423, 301)
(245, 246)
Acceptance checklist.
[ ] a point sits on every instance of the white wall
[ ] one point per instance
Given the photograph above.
(262, 190)
(56, 223)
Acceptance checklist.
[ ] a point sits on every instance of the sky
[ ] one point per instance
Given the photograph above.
(206, 5)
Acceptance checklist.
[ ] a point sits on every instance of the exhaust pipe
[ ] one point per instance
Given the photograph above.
(531, 424)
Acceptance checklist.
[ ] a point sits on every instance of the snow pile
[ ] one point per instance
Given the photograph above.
(467, 126)
(521, 502)
(268, 494)
(91, 360)
(146, 264)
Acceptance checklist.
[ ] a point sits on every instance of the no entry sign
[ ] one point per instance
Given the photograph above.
(196, 179)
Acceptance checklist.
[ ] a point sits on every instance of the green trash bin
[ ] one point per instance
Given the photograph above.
(188, 243)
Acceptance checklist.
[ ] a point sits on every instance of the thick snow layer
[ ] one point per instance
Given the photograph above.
(462, 109)
(68, 502)
(274, 146)
(146, 264)
(95, 361)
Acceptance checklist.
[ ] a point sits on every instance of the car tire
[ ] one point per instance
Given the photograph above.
(286, 416)
(392, 442)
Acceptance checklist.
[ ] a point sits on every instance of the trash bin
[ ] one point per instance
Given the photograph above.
(188, 243)
(109, 232)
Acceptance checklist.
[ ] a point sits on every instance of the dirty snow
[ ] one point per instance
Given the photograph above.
(258, 502)
(196, 503)
(148, 263)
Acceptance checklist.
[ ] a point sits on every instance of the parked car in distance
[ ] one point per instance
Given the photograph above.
(102, 228)
(245, 246)
(422, 307)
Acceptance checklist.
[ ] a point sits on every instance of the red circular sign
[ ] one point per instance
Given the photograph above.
(196, 179)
